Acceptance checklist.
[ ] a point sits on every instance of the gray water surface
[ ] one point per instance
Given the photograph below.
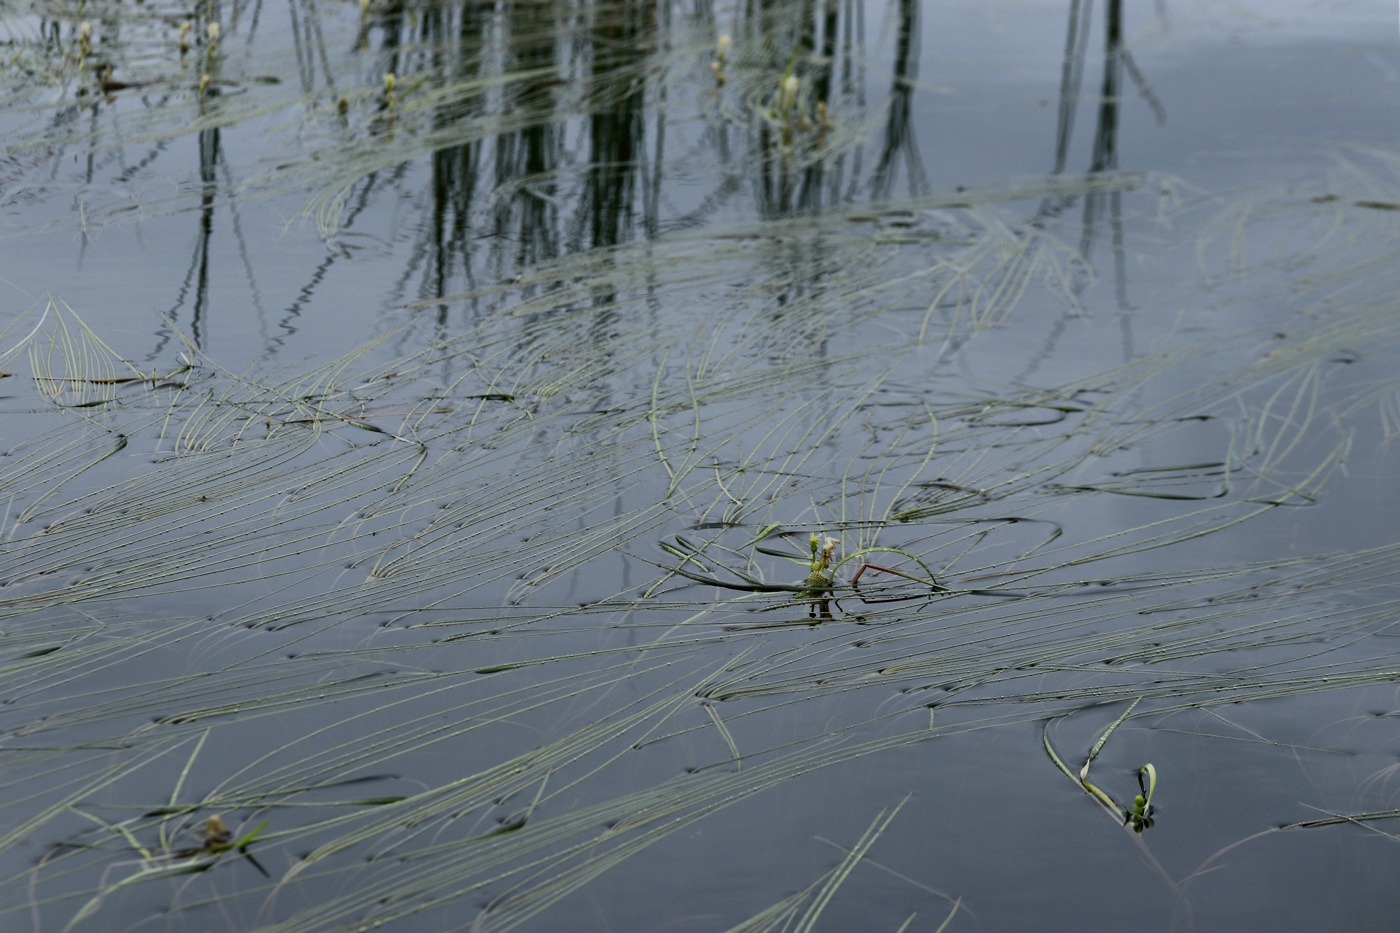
(398, 474)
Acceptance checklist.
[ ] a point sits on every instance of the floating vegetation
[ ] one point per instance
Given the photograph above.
(693, 540)
(1139, 815)
(394, 557)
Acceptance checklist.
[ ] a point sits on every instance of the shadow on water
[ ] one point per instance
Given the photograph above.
(667, 496)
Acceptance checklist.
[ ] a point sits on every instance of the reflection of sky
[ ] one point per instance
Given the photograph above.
(1010, 36)
(1258, 98)
(1251, 92)
(1246, 88)
(1253, 98)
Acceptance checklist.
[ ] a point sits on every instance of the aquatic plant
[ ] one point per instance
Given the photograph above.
(452, 626)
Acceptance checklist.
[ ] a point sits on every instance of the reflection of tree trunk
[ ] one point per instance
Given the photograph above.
(776, 180)
(1105, 154)
(1106, 139)
(789, 178)
(197, 275)
(525, 159)
(1071, 80)
(519, 200)
(810, 197)
(208, 166)
(455, 169)
(899, 136)
(1071, 77)
(617, 124)
(1105, 159)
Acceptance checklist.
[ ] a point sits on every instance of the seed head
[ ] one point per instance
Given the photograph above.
(790, 85)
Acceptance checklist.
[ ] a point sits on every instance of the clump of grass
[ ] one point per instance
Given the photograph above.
(1140, 814)
(721, 60)
(822, 567)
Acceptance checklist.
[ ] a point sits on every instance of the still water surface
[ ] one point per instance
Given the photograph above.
(408, 409)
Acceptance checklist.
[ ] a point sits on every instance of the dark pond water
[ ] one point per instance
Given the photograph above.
(705, 466)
